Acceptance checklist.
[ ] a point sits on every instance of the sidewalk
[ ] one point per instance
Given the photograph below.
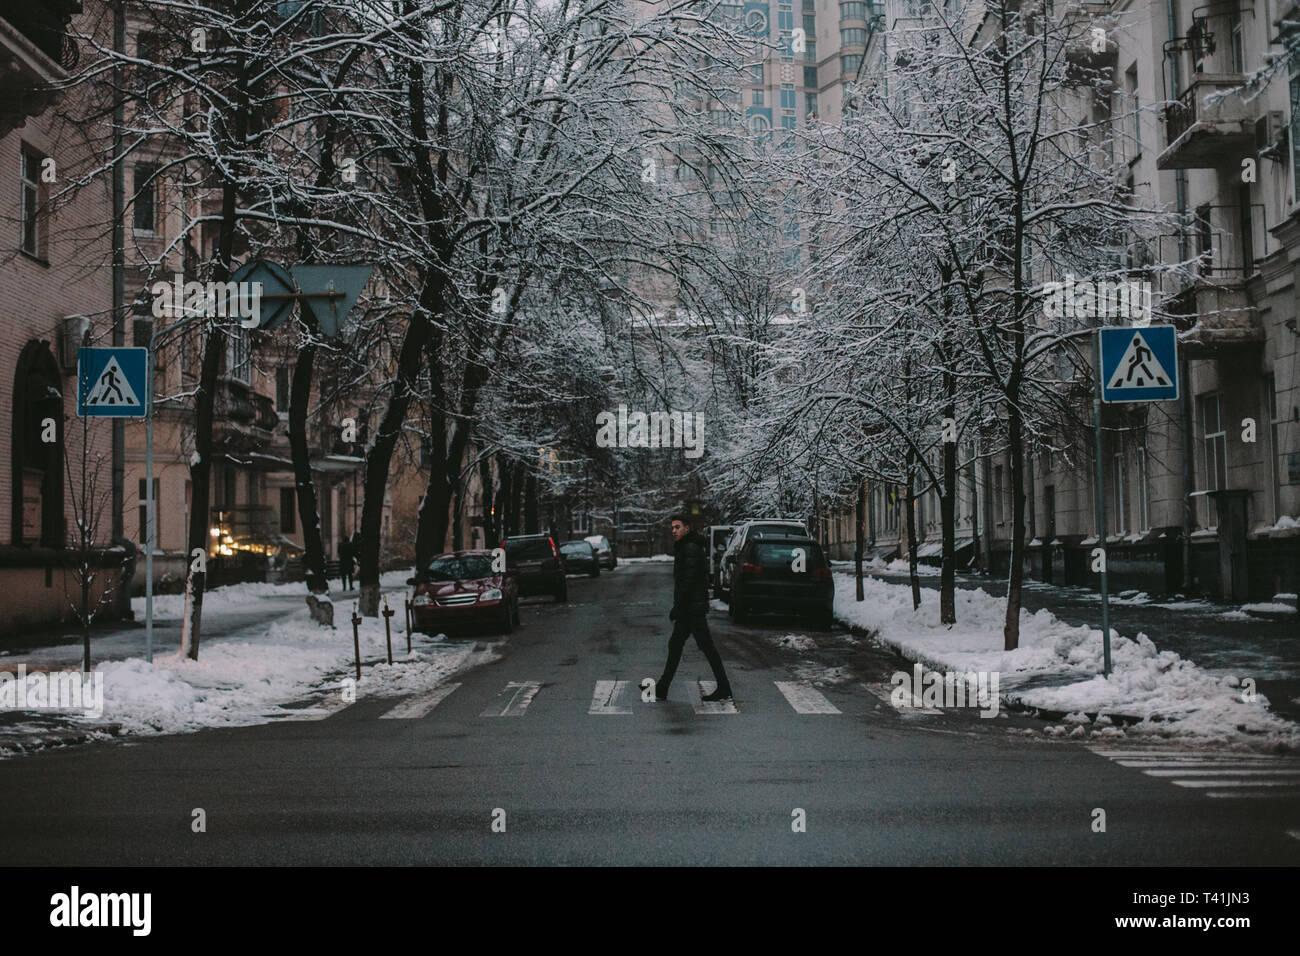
(1178, 665)
(261, 659)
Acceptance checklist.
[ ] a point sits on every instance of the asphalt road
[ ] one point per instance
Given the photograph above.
(517, 741)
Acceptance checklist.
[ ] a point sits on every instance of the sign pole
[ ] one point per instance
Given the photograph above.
(1101, 503)
(151, 524)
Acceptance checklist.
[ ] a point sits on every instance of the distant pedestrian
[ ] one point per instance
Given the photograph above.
(691, 608)
(345, 563)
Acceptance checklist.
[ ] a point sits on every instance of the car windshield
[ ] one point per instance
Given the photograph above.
(459, 569)
(766, 530)
(576, 547)
(771, 554)
(529, 548)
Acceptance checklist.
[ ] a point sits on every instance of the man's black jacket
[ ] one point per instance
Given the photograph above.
(690, 577)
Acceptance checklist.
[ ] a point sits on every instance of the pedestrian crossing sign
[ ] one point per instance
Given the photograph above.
(1139, 364)
(112, 382)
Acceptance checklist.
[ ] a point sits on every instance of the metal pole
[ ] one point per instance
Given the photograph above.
(151, 525)
(1101, 502)
(388, 613)
(356, 641)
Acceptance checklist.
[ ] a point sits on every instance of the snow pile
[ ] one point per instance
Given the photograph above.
(218, 600)
(248, 681)
(797, 642)
(1171, 696)
(654, 558)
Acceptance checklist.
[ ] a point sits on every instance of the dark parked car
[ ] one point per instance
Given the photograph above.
(460, 589)
(580, 556)
(539, 564)
(745, 531)
(771, 576)
(604, 550)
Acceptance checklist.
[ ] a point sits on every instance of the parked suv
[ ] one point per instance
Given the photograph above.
(741, 536)
(785, 575)
(538, 563)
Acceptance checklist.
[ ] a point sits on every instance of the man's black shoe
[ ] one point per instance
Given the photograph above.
(717, 695)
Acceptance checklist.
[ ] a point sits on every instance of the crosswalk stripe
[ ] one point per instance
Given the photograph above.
(514, 700)
(1216, 775)
(700, 689)
(416, 707)
(331, 706)
(610, 698)
(805, 698)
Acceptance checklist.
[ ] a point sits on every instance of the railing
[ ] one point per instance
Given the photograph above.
(238, 403)
(45, 23)
(1191, 108)
(1214, 243)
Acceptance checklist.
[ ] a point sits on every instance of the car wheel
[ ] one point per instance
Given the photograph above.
(514, 614)
(741, 613)
(508, 625)
(562, 595)
(595, 572)
(824, 622)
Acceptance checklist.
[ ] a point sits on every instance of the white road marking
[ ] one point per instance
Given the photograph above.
(1179, 755)
(416, 707)
(514, 700)
(610, 697)
(805, 698)
(327, 707)
(700, 689)
(1197, 772)
(1232, 783)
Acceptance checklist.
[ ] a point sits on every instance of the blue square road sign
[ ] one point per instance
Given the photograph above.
(1139, 364)
(112, 382)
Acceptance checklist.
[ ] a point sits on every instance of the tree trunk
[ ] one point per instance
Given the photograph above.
(322, 611)
(914, 578)
(947, 513)
(530, 504)
(861, 534)
(490, 538)
(1015, 435)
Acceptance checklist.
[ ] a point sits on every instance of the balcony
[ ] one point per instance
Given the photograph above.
(1222, 246)
(1210, 125)
(1084, 63)
(35, 54)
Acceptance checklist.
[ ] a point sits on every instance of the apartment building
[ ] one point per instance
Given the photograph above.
(1203, 109)
(55, 295)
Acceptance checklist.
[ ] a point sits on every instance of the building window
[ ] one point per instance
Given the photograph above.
(282, 389)
(1215, 448)
(1144, 492)
(854, 36)
(1235, 47)
(759, 98)
(810, 105)
(1295, 124)
(288, 521)
(144, 512)
(36, 499)
(997, 495)
(145, 198)
(787, 99)
(1119, 504)
(1135, 110)
(32, 204)
(853, 11)
(756, 73)
(849, 64)
(239, 355)
(785, 20)
(810, 25)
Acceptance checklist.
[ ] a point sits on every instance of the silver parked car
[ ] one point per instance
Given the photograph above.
(604, 550)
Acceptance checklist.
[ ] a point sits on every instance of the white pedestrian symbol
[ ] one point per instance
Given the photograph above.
(1139, 368)
(111, 388)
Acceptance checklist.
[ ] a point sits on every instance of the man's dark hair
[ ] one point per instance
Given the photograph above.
(682, 517)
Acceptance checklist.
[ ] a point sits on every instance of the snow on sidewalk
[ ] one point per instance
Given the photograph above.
(266, 671)
(241, 596)
(1172, 696)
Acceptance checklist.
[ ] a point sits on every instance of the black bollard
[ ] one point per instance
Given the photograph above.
(356, 641)
(408, 625)
(388, 613)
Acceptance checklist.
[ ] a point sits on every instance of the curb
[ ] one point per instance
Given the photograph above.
(68, 738)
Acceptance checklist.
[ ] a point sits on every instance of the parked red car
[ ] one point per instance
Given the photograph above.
(460, 589)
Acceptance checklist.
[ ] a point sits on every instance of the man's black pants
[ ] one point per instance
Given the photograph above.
(686, 625)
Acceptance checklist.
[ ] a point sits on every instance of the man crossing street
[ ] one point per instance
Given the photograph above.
(690, 609)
